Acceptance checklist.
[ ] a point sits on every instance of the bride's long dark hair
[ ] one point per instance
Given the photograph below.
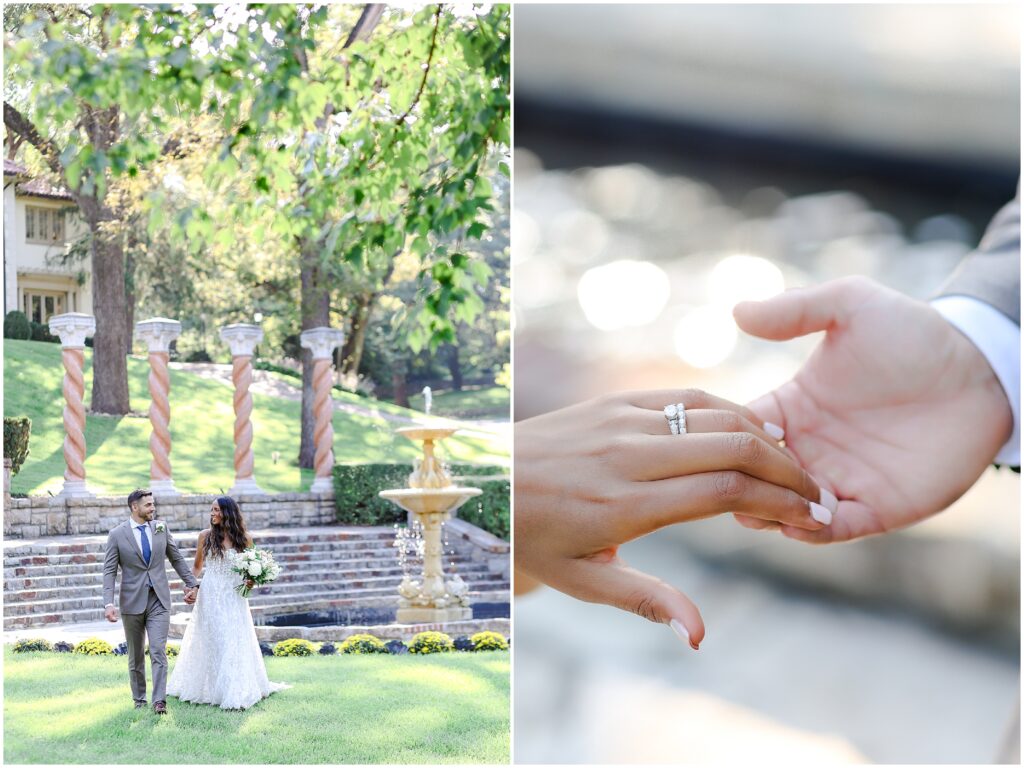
(232, 523)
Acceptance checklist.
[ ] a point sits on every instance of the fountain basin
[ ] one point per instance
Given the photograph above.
(425, 501)
(423, 432)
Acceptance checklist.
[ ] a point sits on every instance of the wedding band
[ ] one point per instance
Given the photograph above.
(676, 416)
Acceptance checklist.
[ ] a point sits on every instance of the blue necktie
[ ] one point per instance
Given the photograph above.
(146, 551)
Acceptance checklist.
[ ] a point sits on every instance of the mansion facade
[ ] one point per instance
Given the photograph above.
(40, 222)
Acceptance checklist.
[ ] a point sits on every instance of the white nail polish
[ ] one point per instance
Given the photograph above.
(821, 514)
(829, 500)
(774, 430)
(680, 630)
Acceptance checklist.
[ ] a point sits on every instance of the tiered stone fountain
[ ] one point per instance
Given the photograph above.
(431, 498)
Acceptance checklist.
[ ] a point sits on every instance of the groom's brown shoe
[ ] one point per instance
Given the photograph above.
(159, 707)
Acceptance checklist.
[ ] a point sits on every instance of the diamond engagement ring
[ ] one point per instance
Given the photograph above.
(676, 416)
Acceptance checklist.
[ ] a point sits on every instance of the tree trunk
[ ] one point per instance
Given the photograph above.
(109, 363)
(315, 309)
(129, 286)
(352, 352)
(400, 392)
(454, 367)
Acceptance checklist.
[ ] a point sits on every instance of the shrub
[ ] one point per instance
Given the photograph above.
(396, 647)
(93, 646)
(16, 435)
(198, 356)
(41, 332)
(489, 641)
(363, 644)
(356, 501)
(173, 650)
(17, 326)
(431, 642)
(463, 643)
(327, 649)
(266, 650)
(294, 646)
(30, 644)
(62, 646)
(355, 493)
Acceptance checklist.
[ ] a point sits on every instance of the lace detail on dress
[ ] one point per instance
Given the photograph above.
(220, 660)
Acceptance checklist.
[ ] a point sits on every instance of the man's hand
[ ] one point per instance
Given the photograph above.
(110, 612)
(896, 411)
(191, 594)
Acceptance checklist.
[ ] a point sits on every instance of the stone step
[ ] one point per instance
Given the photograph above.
(62, 545)
(298, 592)
(314, 602)
(95, 568)
(323, 570)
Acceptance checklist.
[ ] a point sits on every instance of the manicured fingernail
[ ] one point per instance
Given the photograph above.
(829, 500)
(680, 630)
(774, 430)
(821, 514)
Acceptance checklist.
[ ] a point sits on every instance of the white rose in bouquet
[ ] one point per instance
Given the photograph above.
(255, 569)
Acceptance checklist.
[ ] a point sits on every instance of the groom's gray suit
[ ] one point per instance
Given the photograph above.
(145, 601)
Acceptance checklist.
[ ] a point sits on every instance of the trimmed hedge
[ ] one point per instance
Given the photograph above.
(356, 501)
(41, 332)
(17, 326)
(16, 435)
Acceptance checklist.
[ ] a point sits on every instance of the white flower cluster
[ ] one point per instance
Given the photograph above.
(256, 564)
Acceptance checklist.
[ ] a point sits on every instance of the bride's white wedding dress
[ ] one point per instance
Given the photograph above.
(220, 660)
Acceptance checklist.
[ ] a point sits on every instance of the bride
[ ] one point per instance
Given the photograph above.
(220, 660)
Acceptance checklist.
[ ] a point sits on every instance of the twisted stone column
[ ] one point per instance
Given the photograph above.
(322, 341)
(72, 328)
(158, 333)
(242, 338)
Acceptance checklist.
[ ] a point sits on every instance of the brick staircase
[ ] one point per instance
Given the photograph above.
(60, 579)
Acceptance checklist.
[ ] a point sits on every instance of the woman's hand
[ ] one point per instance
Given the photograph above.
(593, 476)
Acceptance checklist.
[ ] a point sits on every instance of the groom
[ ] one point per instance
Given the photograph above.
(139, 548)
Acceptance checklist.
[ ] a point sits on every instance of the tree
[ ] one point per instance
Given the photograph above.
(84, 91)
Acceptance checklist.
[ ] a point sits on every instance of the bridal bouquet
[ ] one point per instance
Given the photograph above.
(256, 565)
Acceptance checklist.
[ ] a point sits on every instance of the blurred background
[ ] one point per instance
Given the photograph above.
(669, 162)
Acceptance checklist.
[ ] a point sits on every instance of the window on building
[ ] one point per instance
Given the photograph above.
(44, 225)
(41, 305)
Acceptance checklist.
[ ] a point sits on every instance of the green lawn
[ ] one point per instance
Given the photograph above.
(202, 431)
(444, 708)
(470, 403)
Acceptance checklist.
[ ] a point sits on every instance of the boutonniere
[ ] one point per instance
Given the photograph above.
(160, 527)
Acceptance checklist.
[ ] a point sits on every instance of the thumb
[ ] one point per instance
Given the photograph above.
(616, 584)
(800, 311)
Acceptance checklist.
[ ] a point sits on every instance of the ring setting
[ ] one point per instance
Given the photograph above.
(675, 414)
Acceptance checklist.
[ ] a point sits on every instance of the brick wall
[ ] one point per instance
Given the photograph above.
(47, 516)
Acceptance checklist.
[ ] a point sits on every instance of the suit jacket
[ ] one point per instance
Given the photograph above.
(122, 552)
(991, 273)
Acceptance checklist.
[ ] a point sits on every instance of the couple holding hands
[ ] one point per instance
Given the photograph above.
(894, 416)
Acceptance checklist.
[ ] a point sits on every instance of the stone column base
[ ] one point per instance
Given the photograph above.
(75, 489)
(432, 615)
(245, 485)
(322, 485)
(163, 488)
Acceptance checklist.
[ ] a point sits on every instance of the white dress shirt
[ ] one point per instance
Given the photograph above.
(997, 337)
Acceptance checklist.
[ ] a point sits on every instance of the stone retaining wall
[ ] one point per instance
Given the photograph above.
(37, 516)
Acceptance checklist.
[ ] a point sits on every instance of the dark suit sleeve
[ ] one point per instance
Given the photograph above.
(991, 273)
(179, 563)
(111, 561)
